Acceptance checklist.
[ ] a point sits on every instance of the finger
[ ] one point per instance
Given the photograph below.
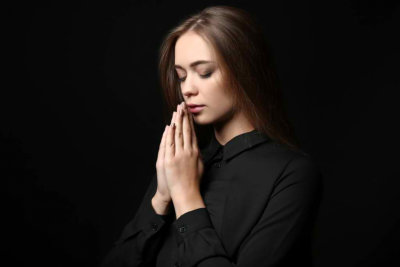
(170, 145)
(194, 138)
(186, 129)
(166, 134)
(178, 131)
(161, 150)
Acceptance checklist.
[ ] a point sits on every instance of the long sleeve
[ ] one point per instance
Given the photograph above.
(141, 237)
(281, 237)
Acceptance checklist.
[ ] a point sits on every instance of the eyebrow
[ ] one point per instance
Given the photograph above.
(197, 62)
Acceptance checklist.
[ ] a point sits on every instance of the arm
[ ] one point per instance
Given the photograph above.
(141, 237)
(280, 237)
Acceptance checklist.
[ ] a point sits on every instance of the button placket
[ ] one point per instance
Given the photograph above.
(182, 229)
(217, 164)
(154, 226)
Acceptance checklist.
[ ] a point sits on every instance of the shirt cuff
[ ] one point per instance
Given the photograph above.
(191, 221)
(146, 220)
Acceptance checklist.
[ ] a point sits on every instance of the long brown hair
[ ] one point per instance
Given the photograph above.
(247, 67)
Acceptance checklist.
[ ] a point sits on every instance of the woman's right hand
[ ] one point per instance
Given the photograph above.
(162, 196)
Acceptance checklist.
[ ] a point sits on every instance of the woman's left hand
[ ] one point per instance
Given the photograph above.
(183, 162)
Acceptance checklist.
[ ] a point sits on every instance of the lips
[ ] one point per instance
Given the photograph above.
(195, 109)
(193, 106)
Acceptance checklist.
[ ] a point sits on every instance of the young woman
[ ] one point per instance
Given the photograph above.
(249, 197)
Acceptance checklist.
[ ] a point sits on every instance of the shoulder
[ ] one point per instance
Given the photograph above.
(297, 166)
(280, 162)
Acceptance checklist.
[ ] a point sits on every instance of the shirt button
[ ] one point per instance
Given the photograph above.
(182, 229)
(177, 264)
(218, 164)
(154, 226)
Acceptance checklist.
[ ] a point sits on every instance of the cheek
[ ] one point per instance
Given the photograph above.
(217, 95)
(215, 88)
(221, 102)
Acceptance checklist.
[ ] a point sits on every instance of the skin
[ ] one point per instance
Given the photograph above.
(179, 164)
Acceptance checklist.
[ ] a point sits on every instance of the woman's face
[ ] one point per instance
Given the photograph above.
(202, 84)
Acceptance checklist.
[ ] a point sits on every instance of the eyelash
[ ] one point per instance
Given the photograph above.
(205, 76)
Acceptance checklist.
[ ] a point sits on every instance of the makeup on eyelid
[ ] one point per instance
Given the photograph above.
(203, 76)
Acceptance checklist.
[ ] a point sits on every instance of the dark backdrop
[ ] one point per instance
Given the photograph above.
(81, 120)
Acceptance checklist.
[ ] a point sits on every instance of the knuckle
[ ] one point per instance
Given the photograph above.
(170, 163)
(167, 163)
(181, 156)
(159, 164)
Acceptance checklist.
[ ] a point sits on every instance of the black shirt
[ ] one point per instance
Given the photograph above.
(261, 202)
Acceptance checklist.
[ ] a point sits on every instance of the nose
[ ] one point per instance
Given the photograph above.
(188, 87)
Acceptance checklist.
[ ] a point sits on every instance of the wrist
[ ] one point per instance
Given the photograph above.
(185, 202)
(161, 207)
(184, 193)
(161, 198)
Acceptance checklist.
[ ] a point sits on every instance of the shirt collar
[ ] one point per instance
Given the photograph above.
(234, 146)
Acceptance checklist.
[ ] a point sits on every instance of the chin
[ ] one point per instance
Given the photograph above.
(201, 119)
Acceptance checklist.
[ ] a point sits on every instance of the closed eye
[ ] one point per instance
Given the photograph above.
(205, 76)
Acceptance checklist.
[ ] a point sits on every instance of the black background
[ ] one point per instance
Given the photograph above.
(81, 120)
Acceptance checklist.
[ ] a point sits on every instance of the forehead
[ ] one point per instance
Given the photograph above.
(191, 47)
